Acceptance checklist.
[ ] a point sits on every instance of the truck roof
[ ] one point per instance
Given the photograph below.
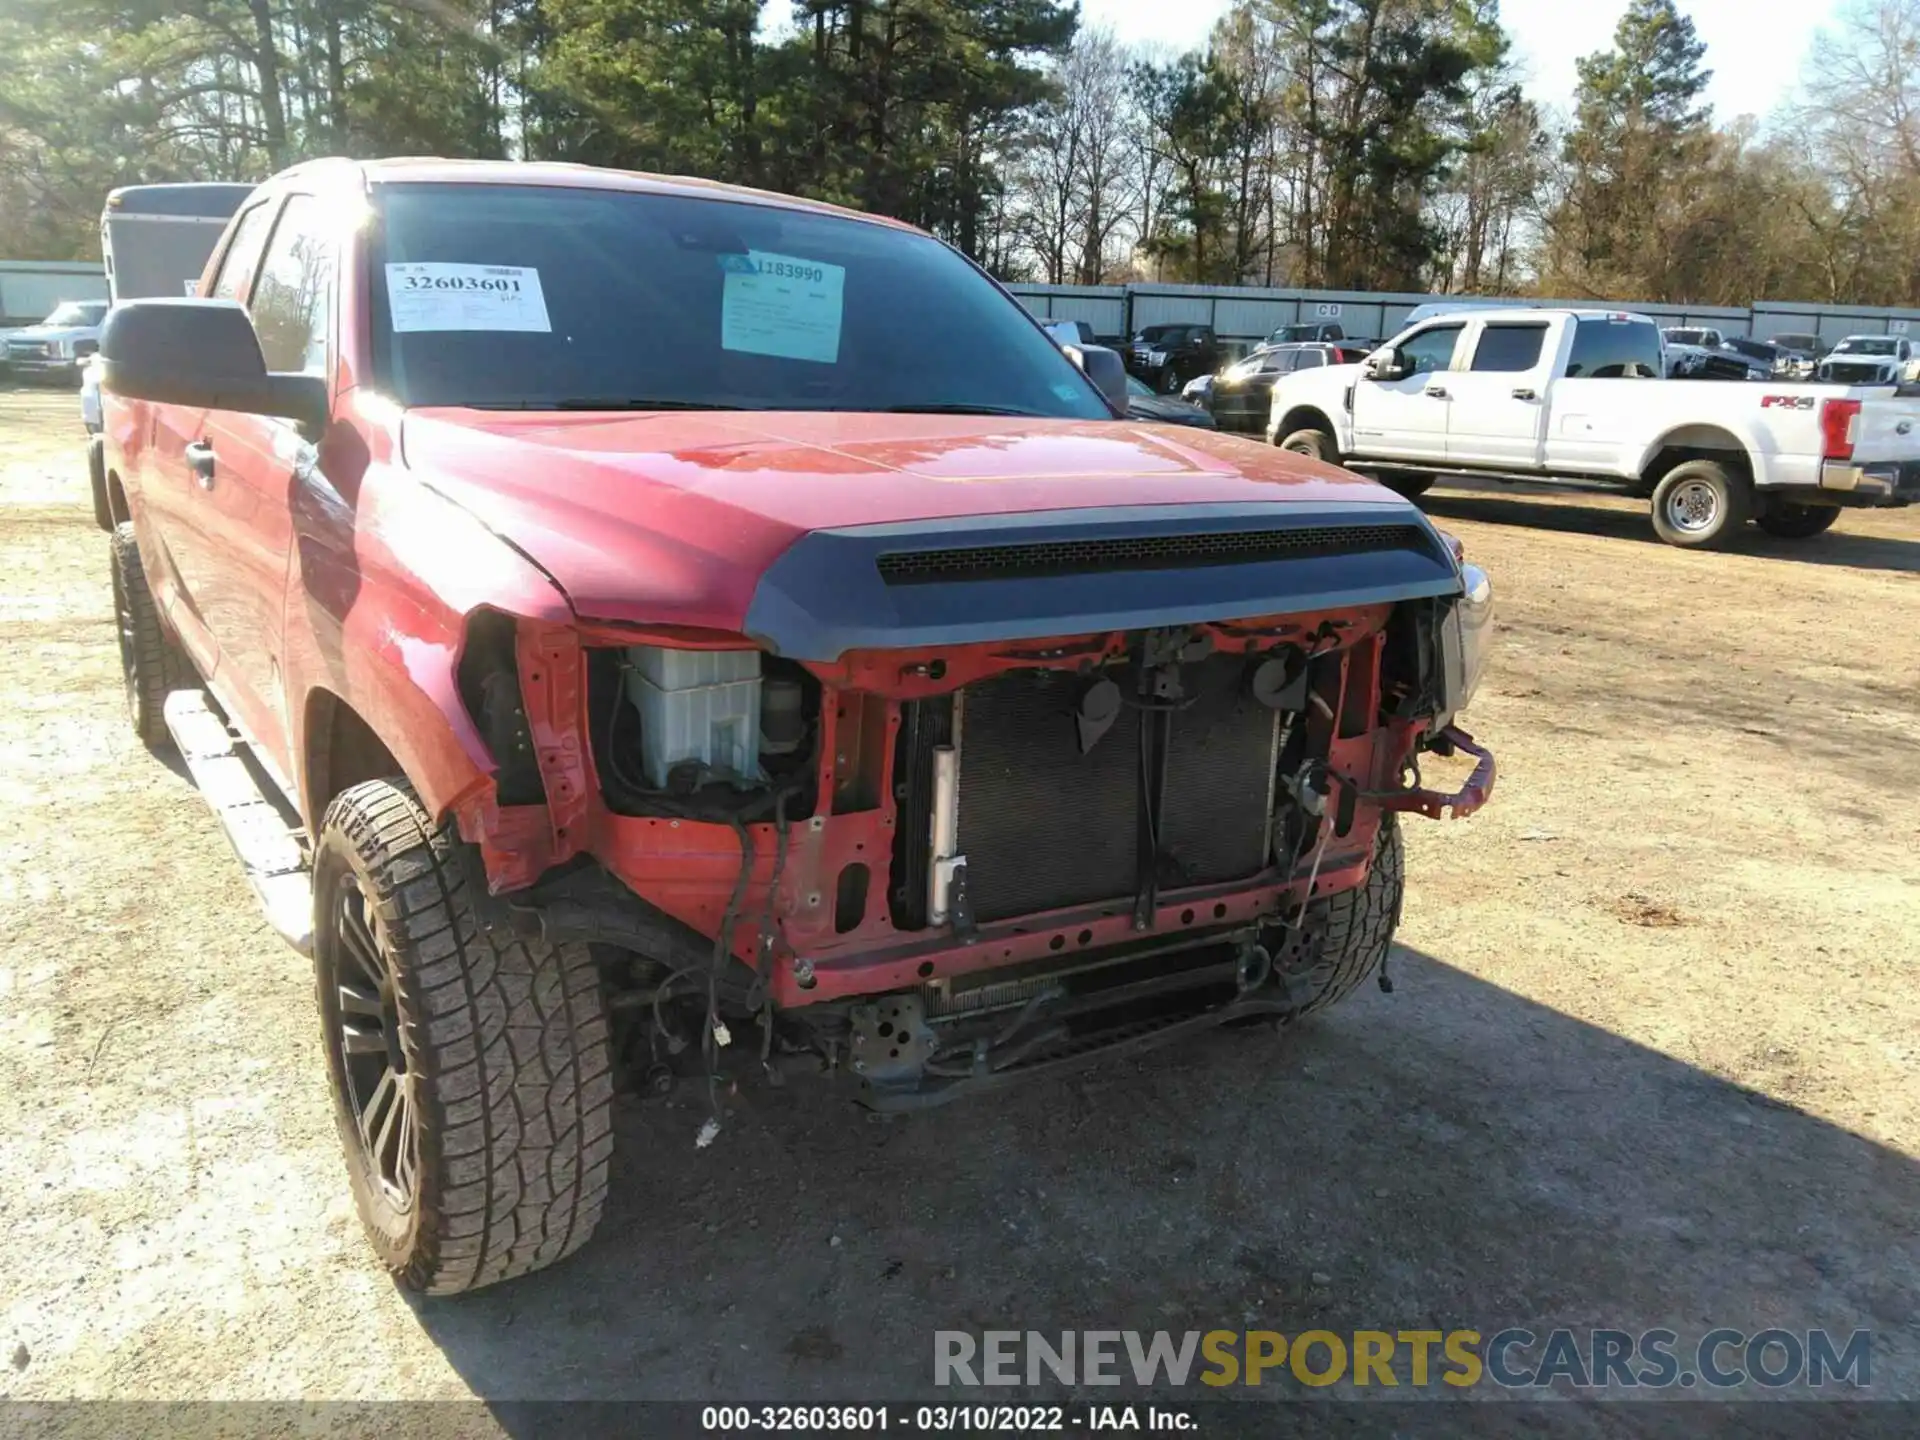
(1492, 309)
(438, 170)
(209, 200)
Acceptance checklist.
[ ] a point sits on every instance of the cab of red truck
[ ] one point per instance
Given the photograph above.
(777, 694)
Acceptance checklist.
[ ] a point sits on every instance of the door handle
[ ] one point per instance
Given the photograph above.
(1523, 393)
(200, 457)
(1437, 392)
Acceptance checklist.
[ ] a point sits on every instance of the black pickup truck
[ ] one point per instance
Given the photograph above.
(1167, 356)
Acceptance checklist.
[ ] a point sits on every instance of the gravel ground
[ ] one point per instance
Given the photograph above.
(1650, 1061)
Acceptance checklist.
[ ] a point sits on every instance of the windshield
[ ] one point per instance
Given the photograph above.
(1797, 342)
(77, 312)
(531, 297)
(1867, 347)
(1686, 337)
(1753, 349)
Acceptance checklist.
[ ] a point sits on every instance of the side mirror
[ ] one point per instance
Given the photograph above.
(1106, 369)
(1386, 365)
(205, 354)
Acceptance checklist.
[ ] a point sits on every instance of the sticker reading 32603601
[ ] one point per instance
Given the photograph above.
(433, 295)
(783, 305)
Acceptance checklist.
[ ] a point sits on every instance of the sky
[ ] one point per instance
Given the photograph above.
(1754, 47)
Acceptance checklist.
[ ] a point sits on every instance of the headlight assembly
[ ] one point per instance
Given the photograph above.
(1465, 638)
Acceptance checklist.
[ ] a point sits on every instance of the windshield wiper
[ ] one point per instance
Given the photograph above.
(959, 409)
(599, 402)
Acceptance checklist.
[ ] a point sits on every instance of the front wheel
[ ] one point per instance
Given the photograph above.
(1169, 381)
(1315, 444)
(1785, 520)
(1344, 938)
(472, 1079)
(1701, 505)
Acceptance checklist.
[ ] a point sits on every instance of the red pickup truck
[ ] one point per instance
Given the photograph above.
(617, 645)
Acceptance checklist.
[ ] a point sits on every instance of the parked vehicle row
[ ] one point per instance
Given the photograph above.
(1240, 396)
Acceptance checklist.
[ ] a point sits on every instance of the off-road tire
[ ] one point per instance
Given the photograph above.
(1727, 495)
(1407, 487)
(1784, 520)
(1347, 935)
(1167, 382)
(505, 1048)
(151, 665)
(1314, 443)
(97, 480)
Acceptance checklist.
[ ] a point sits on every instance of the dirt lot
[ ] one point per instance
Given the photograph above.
(1651, 1059)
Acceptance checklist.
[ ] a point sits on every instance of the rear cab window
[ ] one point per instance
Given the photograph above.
(292, 293)
(234, 279)
(1509, 349)
(1614, 348)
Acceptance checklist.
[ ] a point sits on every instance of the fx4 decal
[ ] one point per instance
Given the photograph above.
(1788, 402)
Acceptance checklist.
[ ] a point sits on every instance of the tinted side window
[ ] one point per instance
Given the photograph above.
(1310, 360)
(1431, 349)
(1507, 349)
(1614, 350)
(296, 283)
(235, 280)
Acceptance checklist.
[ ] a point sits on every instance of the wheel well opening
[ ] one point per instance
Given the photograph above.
(341, 751)
(1697, 442)
(1303, 417)
(117, 499)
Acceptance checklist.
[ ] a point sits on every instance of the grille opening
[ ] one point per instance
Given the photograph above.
(1142, 552)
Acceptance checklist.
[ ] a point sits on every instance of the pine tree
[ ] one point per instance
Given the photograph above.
(1639, 131)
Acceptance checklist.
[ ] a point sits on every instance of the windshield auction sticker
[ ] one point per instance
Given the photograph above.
(433, 295)
(781, 305)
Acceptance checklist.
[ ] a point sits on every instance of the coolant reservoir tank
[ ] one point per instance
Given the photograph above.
(698, 705)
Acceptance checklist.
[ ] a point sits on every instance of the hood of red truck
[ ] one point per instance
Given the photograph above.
(672, 519)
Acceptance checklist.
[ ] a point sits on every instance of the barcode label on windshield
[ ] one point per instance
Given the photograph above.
(434, 295)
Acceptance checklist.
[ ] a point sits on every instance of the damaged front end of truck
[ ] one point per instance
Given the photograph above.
(957, 806)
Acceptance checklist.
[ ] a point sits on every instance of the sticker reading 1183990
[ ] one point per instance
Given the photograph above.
(437, 295)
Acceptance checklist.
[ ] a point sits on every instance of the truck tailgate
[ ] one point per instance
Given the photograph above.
(1888, 429)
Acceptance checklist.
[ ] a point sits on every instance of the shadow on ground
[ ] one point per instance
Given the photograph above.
(1451, 1156)
(1537, 507)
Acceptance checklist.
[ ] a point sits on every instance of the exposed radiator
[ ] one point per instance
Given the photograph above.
(1043, 826)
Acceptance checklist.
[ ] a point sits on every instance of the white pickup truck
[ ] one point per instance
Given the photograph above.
(1577, 397)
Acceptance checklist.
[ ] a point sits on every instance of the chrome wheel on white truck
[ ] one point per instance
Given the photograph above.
(1701, 505)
